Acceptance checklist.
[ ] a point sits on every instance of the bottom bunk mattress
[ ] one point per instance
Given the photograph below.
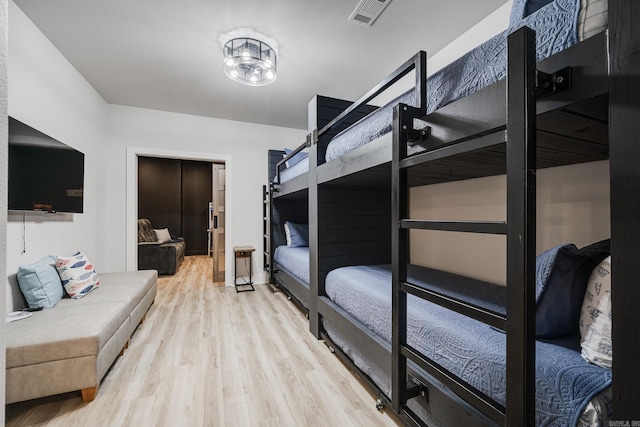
(295, 262)
(475, 352)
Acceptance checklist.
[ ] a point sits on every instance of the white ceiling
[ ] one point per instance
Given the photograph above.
(167, 54)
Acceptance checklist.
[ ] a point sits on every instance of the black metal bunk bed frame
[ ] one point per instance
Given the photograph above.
(291, 204)
(288, 200)
(520, 229)
(605, 71)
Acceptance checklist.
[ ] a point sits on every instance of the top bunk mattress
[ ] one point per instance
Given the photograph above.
(475, 352)
(558, 25)
(294, 170)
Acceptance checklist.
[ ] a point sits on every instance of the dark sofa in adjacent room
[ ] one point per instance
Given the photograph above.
(158, 249)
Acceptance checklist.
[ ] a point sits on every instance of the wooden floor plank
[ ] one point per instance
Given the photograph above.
(208, 356)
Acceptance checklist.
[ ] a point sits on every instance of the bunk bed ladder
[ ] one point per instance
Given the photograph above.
(519, 229)
(266, 230)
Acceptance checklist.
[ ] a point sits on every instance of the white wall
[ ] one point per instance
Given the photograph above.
(3, 185)
(493, 24)
(47, 93)
(185, 136)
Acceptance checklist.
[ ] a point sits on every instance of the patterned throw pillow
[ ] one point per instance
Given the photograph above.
(77, 274)
(145, 231)
(595, 317)
(593, 18)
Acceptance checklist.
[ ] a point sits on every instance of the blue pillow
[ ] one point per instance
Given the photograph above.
(295, 159)
(562, 274)
(40, 283)
(297, 234)
(598, 251)
(533, 5)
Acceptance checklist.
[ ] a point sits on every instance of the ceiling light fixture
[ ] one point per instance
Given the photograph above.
(250, 61)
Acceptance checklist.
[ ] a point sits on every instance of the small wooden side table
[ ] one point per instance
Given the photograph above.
(239, 253)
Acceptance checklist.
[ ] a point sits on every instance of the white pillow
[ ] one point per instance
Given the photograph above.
(163, 235)
(287, 233)
(77, 274)
(593, 18)
(595, 317)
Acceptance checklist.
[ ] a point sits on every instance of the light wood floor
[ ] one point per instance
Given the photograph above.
(208, 356)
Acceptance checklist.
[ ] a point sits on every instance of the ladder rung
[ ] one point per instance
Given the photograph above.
(455, 149)
(476, 398)
(491, 318)
(489, 227)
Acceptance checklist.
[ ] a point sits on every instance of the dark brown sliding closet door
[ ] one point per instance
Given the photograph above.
(175, 194)
(196, 195)
(160, 192)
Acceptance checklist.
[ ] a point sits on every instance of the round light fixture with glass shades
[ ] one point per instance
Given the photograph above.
(250, 61)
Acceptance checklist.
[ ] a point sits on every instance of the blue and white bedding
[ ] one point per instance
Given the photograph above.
(556, 26)
(294, 260)
(475, 352)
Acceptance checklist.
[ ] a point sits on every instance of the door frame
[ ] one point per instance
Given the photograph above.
(215, 189)
(132, 199)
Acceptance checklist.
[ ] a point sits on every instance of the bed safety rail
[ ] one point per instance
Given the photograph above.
(519, 323)
(418, 63)
(298, 149)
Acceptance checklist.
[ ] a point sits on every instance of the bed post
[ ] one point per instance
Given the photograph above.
(314, 273)
(402, 124)
(624, 128)
(521, 228)
(399, 252)
(314, 286)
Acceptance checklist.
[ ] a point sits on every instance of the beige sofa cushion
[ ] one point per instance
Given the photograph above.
(77, 328)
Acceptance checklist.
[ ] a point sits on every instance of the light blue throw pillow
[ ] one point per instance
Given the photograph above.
(297, 234)
(40, 283)
(296, 158)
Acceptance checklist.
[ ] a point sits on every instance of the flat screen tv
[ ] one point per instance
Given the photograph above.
(44, 174)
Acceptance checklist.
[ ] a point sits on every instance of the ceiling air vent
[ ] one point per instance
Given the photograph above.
(368, 11)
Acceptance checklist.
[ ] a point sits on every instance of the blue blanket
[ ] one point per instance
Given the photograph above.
(294, 260)
(556, 29)
(470, 349)
(295, 170)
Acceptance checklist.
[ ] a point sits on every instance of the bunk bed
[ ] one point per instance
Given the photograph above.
(468, 349)
(287, 201)
(287, 267)
(464, 139)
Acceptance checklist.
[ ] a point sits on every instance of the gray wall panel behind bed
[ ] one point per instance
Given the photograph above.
(274, 156)
(354, 227)
(324, 109)
(293, 208)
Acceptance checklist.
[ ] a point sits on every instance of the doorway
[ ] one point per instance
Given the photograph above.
(175, 194)
(133, 153)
